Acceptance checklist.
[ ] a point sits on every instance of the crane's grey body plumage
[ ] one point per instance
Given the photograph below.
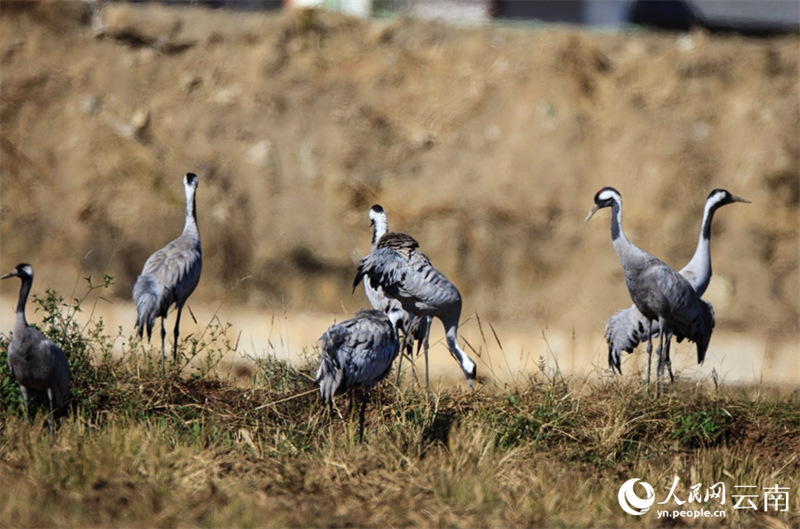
(414, 328)
(170, 275)
(661, 294)
(628, 327)
(38, 364)
(358, 352)
(409, 277)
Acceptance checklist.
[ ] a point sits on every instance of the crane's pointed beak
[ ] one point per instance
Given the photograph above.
(13, 273)
(739, 199)
(594, 210)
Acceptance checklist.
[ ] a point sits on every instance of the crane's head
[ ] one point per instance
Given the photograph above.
(396, 315)
(376, 212)
(190, 180)
(22, 270)
(604, 198)
(721, 197)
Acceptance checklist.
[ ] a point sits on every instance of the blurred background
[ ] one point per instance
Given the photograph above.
(749, 17)
(483, 128)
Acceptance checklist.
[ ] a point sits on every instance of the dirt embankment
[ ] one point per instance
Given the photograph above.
(487, 144)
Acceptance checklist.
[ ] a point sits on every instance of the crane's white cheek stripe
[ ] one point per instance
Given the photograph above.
(605, 195)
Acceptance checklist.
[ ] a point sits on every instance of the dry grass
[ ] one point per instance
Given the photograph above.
(199, 449)
(189, 452)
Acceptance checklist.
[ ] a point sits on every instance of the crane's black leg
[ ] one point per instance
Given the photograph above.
(409, 347)
(163, 351)
(425, 346)
(667, 359)
(661, 360)
(176, 334)
(659, 353)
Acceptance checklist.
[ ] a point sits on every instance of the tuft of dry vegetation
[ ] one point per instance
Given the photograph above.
(198, 449)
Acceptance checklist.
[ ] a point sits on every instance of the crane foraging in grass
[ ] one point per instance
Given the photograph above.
(662, 295)
(170, 275)
(628, 327)
(38, 364)
(408, 276)
(357, 353)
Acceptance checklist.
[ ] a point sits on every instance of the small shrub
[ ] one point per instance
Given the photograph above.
(702, 428)
(10, 396)
(81, 346)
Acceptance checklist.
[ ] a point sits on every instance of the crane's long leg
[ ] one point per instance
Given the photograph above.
(667, 359)
(661, 360)
(24, 391)
(649, 350)
(425, 344)
(403, 346)
(176, 334)
(163, 352)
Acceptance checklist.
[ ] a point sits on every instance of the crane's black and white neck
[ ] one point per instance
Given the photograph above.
(609, 197)
(24, 271)
(376, 296)
(698, 269)
(190, 182)
(626, 250)
(380, 224)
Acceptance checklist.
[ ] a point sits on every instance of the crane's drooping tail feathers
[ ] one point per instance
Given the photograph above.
(700, 331)
(329, 379)
(329, 375)
(148, 292)
(702, 336)
(625, 329)
(62, 393)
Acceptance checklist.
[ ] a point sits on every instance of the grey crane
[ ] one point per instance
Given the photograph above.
(627, 328)
(357, 353)
(38, 364)
(170, 275)
(414, 328)
(661, 294)
(409, 277)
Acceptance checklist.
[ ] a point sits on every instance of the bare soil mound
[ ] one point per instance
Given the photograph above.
(485, 143)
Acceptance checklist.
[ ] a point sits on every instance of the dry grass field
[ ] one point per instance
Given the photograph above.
(221, 445)
(486, 144)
